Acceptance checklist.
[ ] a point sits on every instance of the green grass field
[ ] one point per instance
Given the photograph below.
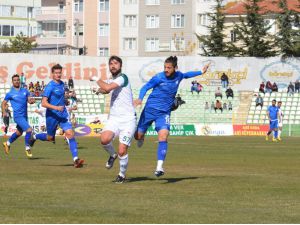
(207, 180)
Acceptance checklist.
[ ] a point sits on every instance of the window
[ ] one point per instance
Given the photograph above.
(80, 29)
(130, 21)
(103, 29)
(20, 12)
(177, 44)
(61, 7)
(78, 5)
(177, 21)
(130, 2)
(152, 45)
(104, 5)
(5, 30)
(129, 43)
(103, 51)
(152, 2)
(177, 2)
(21, 29)
(152, 21)
(232, 36)
(203, 19)
(6, 10)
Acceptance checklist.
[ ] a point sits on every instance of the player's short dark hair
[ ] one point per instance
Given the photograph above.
(15, 75)
(56, 67)
(274, 100)
(172, 59)
(279, 102)
(117, 58)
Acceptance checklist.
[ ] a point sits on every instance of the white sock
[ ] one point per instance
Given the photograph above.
(27, 148)
(110, 149)
(8, 143)
(123, 164)
(159, 165)
(279, 133)
(75, 158)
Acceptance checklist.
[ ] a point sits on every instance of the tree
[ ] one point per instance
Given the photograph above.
(252, 33)
(287, 39)
(213, 44)
(19, 44)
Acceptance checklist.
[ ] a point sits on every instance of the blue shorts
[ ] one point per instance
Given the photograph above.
(53, 121)
(273, 124)
(22, 124)
(162, 121)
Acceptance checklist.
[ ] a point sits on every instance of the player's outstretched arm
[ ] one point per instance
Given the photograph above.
(196, 73)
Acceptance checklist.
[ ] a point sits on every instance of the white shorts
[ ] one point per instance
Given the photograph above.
(280, 124)
(122, 127)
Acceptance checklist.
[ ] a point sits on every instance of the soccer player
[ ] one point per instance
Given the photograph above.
(273, 116)
(122, 116)
(159, 104)
(18, 97)
(41, 111)
(56, 114)
(280, 122)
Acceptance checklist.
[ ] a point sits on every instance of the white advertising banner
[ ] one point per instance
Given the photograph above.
(245, 73)
(214, 129)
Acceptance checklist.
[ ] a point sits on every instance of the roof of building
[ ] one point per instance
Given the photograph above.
(266, 6)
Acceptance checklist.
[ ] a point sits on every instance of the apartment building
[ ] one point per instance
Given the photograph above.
(18, 16)
(167, 27)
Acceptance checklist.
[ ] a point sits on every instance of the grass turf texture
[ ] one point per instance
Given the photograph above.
(207, 180)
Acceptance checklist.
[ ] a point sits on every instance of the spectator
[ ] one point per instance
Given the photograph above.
(66, 86)
(22, 80)
(177, 102)
(42, 86)
(6, 119)
(194, 87)
(206, 107)
(229, 93)
(71, 83)
(199, 87)
(229, 106)
(269, 87)
(274, 87)
(297, 86)
(259, 101)
(218, 106)
(262, 87)
(31, 87)
(224, 106)
(291, 89)
(218, 93)
(224, 80)
(212, 106)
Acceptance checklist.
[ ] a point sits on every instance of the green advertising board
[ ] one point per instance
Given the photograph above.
(175, 130)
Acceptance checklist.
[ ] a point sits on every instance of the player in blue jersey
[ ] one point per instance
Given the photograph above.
(159, 104)
(18, 97)
(56, 114)
(273, 115)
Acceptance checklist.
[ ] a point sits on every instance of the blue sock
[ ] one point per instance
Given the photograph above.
(73, 147)
(41, 136)
(162, 150)
(276, 133)
(13, 137)
(27, 138)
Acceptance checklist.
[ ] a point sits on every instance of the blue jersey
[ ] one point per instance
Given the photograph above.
(55, 92)
(164, 90)
(18, 99)
(273, 111)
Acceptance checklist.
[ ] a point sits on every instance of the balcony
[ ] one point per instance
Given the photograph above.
(50, 15)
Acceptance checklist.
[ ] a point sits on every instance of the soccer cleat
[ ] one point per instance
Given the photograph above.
(78, 163)
(140, 143)
(120, 179)
(28, 153)
(110, 161)
(279, 139)
(267, 138)
(159, 173)
(274, 140)
(6, 148)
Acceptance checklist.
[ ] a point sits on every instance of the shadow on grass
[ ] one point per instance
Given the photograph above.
(168, 180)
(37, 158)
